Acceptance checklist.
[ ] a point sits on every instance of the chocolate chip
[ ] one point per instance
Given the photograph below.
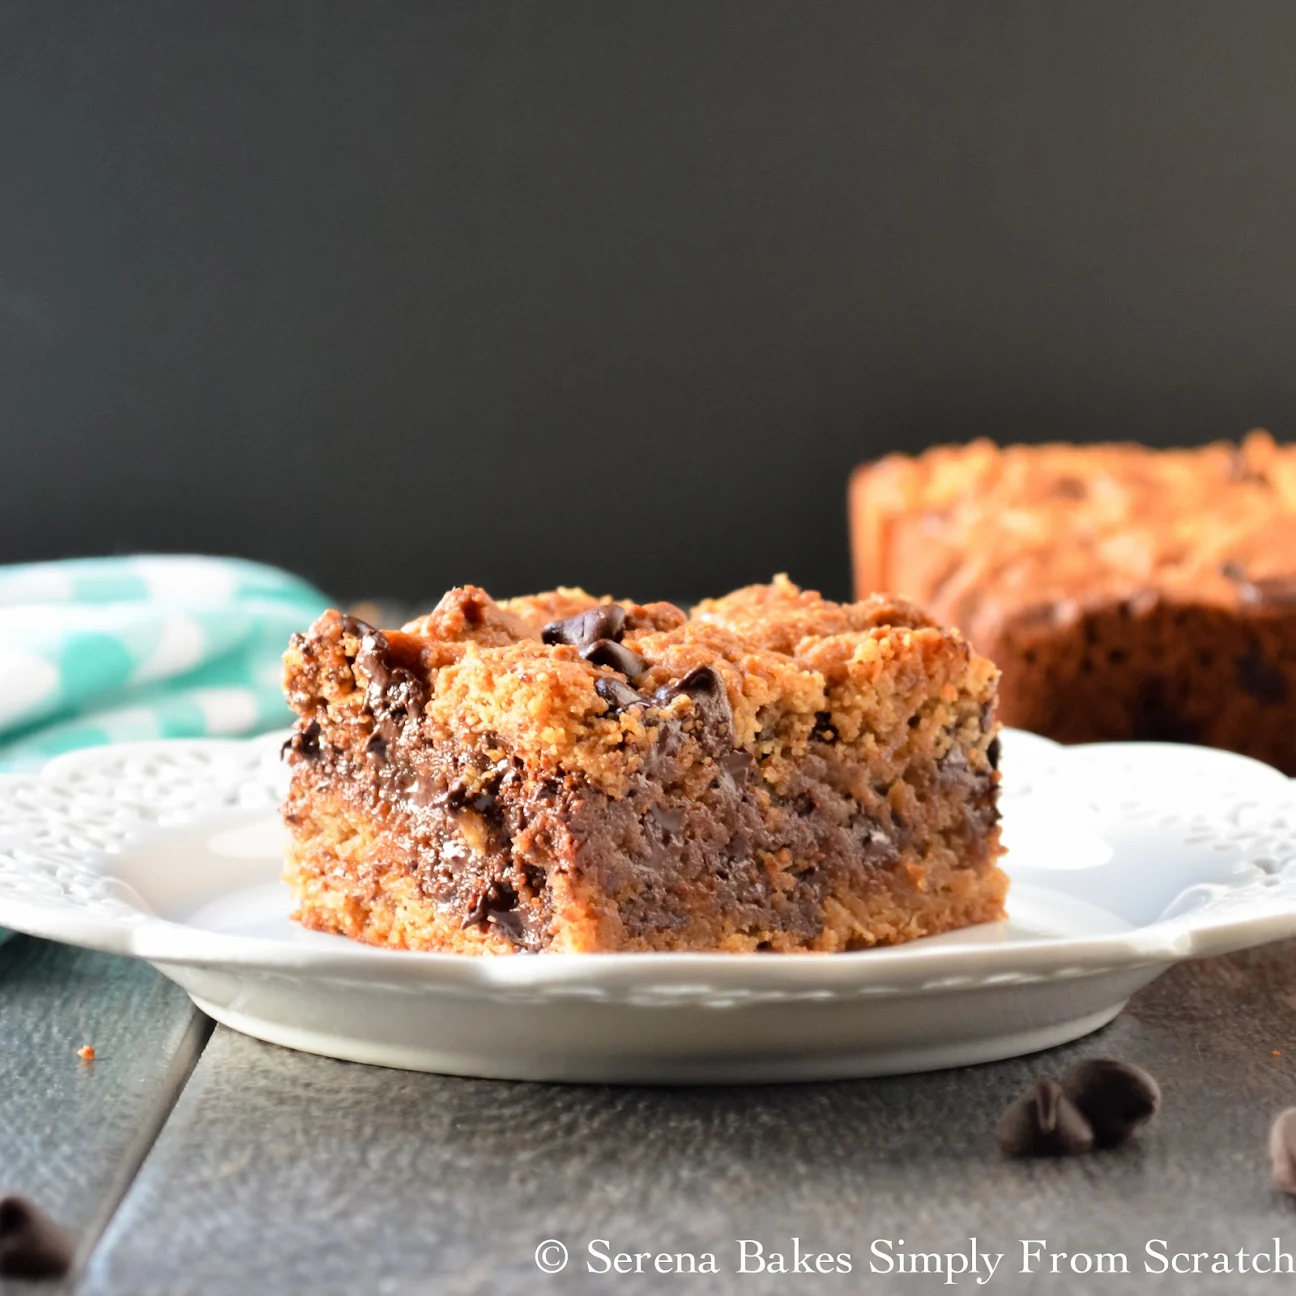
(670, 818)
(498, 906)
(1114, 1097)
(420, 791)
(376, 748)
(354, 628)
(738, 765)
(497, 897)
(398, 702)
(993, 752)
(304, 742)
(1043, 1122)
(1265, 682)
(701, 681)
(394, 695)
(617, 695)
(607, 621)
(31, 1244)
(515, 926)
(372, 658)
(1282, 1150)
(479, 910)
(707, 690)
(660, 761)
(607, 652)
(401, 697)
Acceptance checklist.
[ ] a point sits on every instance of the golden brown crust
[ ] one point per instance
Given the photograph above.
(467, 614)
(538, 610)
(488, 673)
(978, 533)
(779, 616)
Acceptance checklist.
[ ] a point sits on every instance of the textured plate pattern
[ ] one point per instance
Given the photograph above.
(56, 827)
(1207, 837)
(1124, 859)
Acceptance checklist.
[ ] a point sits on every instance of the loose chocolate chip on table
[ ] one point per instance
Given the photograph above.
(604, 622)
(1114, 1097)
(31, 1244)
(1282, 1150)
(607, 652)
(1043, 1122)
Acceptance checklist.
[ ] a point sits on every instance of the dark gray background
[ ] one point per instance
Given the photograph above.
(401, 295)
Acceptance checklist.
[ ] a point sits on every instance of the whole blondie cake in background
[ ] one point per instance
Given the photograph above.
(775, 772)
(1124, 592)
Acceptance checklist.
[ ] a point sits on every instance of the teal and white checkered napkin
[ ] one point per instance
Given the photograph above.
(102, 650)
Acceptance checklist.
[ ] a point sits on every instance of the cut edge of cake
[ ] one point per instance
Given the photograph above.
(562, 772)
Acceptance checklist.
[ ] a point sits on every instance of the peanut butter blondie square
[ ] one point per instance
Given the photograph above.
(569, 773)
(1125, 592)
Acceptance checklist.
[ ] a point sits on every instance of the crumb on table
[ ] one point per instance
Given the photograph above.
(86, 1053)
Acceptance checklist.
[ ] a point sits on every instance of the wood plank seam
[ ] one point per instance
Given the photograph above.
(179, 1071)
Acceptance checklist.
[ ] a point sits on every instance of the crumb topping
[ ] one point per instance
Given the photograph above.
(779, 616)
(566, 681)
(1069, 525)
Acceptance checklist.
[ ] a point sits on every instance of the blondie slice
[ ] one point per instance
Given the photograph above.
(566, 773)
(1124, 592)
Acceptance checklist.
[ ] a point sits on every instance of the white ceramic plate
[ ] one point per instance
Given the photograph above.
(1124, 857)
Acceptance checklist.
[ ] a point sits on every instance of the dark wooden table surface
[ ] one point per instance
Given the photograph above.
(188, 1159)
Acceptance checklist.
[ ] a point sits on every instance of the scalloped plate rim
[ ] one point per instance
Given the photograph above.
(163, 941)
